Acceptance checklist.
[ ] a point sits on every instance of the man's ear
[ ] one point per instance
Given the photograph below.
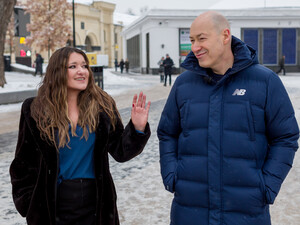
(226, 36)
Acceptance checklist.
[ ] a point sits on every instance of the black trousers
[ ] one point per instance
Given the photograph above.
(280, 69)
(76, 202)
(170, 78)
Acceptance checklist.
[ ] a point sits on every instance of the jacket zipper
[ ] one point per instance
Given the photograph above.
(221, 151)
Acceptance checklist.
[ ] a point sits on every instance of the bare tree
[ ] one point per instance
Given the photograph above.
(49, 28)
(6, 9)
(10, 33)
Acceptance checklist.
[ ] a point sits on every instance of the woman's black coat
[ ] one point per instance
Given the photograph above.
(35, 167)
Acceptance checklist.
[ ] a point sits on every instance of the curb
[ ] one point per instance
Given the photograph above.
(15, 97)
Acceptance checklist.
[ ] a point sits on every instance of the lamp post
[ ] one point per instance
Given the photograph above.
(74, 41)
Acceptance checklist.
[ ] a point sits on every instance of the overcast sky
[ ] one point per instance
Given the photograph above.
(122, 6)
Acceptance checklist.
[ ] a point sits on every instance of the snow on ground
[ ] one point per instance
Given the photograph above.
(142, 199)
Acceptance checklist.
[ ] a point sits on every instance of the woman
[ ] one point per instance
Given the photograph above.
(161, 69)
(60, 173)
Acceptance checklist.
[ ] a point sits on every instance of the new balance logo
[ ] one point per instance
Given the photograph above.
(239, 92)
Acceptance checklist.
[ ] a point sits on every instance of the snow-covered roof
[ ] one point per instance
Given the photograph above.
(246, 4)
(124, 19)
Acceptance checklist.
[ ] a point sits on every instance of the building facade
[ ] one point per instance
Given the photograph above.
(273, 32)
(95, 31)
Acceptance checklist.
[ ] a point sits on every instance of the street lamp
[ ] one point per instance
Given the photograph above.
(74, 42)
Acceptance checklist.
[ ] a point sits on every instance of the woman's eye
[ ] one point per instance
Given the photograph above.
(72, 67)
(85, 66)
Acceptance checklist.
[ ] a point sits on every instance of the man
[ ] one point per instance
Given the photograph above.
(168, 64)
(227, 134)
(281, 64)
(39, 64)
(122, 63)
(116, 64)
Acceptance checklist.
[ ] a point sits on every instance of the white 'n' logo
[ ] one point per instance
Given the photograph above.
(239, 92)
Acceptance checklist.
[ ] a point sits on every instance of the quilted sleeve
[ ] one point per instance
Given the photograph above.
(282, 133)
(168, 131)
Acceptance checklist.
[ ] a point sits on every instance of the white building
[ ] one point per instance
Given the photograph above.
(272, 31)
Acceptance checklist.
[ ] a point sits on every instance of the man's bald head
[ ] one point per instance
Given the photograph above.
(211, 42)
(218, 21)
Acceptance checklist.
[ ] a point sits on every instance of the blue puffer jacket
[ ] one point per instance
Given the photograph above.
(226, 147)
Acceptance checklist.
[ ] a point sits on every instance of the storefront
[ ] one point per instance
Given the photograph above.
(273, 32)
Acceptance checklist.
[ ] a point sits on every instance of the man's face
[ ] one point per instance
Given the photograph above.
(207, 44)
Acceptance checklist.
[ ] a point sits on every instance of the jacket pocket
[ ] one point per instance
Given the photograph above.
(251, 128)
(262, 187)
(184, 111)
(175, 179)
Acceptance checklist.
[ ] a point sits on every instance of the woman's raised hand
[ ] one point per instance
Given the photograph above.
(139, 112)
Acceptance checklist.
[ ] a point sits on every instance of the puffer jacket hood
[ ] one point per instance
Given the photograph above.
(244, 56)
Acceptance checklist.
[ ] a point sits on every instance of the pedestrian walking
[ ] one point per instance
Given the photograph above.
(281, 64)
(121, 64)
(127, 65)
(116, 65)
(228, 132)
(60, 174)
(39, 64)
(168, 65)
(161, 69)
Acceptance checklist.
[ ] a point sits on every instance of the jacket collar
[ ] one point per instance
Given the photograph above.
(244, 56)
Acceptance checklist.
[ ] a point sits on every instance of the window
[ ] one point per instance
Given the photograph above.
(82, 25)
(289, 46)
(270, 46)
(116, 38)
(251, 38)
(133, 51)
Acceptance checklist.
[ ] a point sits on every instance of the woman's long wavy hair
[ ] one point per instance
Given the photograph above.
(50, 109)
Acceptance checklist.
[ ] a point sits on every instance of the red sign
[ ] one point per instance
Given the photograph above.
(22, 53)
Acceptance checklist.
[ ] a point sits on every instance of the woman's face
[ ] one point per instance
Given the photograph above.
(78, 74)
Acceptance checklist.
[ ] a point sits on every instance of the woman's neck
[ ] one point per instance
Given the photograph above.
(73, 110)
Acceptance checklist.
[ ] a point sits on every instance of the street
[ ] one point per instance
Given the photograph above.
(142, 199)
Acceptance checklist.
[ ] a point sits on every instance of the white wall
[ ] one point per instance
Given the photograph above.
(169, 38)
(163, 27)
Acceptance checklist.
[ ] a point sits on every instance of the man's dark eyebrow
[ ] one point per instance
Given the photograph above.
(197, 36)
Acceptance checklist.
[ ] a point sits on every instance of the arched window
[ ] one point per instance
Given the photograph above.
(88, 44)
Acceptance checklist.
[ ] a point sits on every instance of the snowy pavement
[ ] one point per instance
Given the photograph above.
(142, 199)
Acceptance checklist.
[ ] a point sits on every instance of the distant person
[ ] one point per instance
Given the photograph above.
(116, 65)
(127, 65)
(121, 64)
(39, 64)
(168, 65)
(60, 174)
(228, 133)
(161, 69)
(281, 64)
